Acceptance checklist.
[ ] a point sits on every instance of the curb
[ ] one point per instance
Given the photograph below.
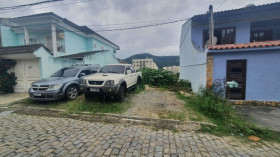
(12, 103)
(115, 118)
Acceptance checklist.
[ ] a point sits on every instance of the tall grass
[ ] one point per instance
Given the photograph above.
(219, 111)
(102, 105)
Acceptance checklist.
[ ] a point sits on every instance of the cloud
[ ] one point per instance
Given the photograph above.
(160, 40)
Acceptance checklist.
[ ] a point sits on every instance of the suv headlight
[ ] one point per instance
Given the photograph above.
(83, 81)
(110, 82)
(55, 87)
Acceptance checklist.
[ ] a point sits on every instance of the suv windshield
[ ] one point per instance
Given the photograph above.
(66, 72)
(119, 69)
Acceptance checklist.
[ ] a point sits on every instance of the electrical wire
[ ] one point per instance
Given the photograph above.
(220, 4)
(143, 26)
(52, 6)
(181, 43)
(116, 29)
(131, 23)
(30, 4)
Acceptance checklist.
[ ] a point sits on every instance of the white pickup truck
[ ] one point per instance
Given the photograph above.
(114, 79)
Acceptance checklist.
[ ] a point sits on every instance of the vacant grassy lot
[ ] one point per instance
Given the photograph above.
(150, 102)
(82, 105)
(220, 112)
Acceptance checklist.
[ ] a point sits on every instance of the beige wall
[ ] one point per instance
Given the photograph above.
(174, 69)
(144, 63)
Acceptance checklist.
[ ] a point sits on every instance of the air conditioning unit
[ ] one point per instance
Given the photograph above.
(61, 35)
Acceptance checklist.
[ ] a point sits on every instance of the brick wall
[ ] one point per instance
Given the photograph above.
(256, 103)
(209, 70)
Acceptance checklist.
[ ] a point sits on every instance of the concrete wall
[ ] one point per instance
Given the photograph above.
(74, 43)
(242, 32)
(193, 56)
(49, 64)
(192, 61)
(101, 58)
(263, 74)
(9, 38)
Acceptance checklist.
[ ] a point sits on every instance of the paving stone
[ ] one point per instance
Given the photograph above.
(108, 151)
(23, 135)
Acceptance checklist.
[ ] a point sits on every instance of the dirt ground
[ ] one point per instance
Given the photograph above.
(157, 103)
(150, 103)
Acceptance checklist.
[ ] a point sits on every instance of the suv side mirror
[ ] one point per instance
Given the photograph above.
(82, 74)
(128, 71)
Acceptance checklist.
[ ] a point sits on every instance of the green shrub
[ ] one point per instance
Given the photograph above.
(221, 112)
(158, 77)
(212, 104)
(7, 80)
(165, 79)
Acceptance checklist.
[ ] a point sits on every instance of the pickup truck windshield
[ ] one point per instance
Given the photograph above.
(119, 69)
(66, 72)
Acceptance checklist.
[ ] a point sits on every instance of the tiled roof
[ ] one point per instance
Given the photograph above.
(249, 13)
(83, 29)
(245, 45)
(20, 49)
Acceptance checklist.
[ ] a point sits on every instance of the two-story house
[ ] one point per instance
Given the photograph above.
(247, 50)
(43, 43)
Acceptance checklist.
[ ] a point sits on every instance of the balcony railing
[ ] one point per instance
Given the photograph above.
(60, 45)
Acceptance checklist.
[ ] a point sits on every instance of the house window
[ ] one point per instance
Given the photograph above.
(224, 35)
(261, 35)
(94, 45)
(265, 30)
(32, 41)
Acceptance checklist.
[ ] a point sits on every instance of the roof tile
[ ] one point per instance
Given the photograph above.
(245, 45)
(21, 49)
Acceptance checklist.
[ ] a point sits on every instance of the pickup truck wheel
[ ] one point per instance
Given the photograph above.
(121, 94)
(139, 81)
(88, 96)
(72, 93)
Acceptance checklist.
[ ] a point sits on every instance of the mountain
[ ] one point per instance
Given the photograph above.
(161, 61)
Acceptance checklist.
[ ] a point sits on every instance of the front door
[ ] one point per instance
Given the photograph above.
(236, 71)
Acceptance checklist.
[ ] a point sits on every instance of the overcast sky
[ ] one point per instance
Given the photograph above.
(160, 40)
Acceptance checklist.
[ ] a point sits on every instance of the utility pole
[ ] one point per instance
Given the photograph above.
(211, 26)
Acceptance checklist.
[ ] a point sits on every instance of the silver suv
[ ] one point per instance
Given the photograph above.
(65, 83)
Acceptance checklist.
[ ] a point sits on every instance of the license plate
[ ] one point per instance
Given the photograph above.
(94, 89)
(37, 94)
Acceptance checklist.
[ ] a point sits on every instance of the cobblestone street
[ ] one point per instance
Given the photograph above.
(22, 135)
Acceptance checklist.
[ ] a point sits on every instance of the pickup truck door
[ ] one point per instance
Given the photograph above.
(128, 77)
(134, 75)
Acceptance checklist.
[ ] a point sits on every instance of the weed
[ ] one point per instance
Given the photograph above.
(155, 129)
(172, 115)
(175, 131)
(220, 112)
(165, 79)
(138, 89)
(82, 105)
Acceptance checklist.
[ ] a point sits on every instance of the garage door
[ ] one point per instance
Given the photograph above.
(27, 71)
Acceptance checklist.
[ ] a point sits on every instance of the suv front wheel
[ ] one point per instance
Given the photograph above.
(72, 93)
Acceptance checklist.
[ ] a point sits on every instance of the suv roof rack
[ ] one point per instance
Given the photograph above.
(84, 64)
